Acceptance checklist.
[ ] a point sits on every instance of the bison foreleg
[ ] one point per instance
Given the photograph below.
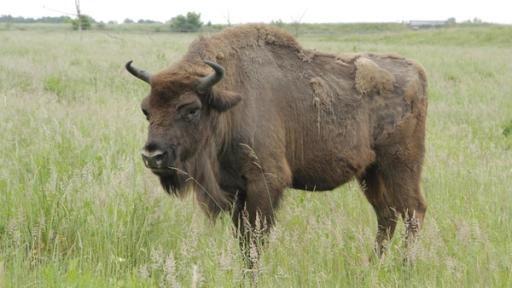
(254, 214)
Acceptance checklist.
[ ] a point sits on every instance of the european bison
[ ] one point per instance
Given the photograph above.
(272, 115)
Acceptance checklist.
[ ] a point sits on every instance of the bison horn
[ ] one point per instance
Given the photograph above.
(141, 74)
(207, 82)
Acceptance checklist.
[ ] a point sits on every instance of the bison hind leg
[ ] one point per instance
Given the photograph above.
(374, 188)
(392, 186)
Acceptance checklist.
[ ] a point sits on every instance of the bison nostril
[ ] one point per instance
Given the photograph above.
(154, 159)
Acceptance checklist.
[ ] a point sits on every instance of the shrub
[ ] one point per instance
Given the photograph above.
(189, 23)
(85, 20)
(101, 25)
(507, 131)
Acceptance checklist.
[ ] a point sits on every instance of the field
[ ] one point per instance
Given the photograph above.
(78, 209)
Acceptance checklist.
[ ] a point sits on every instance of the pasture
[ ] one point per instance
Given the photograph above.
(78, 208)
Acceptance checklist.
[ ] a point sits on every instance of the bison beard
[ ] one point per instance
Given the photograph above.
(171, 181)
(273, 115)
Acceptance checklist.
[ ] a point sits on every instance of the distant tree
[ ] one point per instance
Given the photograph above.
(101, 25)
(77, 25)
(451, 21)
(147, 21)
(189, 23)
(6, 19)
(278, 23)
(228, 19)
(128, 21)
(83, 23)
(297, 23)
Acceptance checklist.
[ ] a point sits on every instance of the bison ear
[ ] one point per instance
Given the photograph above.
(222, 100)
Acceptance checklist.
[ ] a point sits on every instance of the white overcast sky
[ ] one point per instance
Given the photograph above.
(311, 11)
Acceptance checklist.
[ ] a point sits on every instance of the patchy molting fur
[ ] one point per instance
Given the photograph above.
(307, 120)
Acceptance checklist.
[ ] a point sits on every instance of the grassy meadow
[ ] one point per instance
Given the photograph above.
(78, 209)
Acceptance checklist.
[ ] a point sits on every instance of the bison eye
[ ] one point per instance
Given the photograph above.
(189, 112)
(192, 113)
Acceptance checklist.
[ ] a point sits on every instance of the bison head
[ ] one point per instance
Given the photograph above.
(182, 109)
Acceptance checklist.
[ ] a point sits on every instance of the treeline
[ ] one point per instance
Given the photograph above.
(46, 19)
(65, 19)
(190, 22)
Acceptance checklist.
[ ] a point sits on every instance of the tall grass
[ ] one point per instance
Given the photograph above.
(77, 208)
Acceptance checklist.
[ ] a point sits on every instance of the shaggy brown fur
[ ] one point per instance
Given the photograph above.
(306, 120)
